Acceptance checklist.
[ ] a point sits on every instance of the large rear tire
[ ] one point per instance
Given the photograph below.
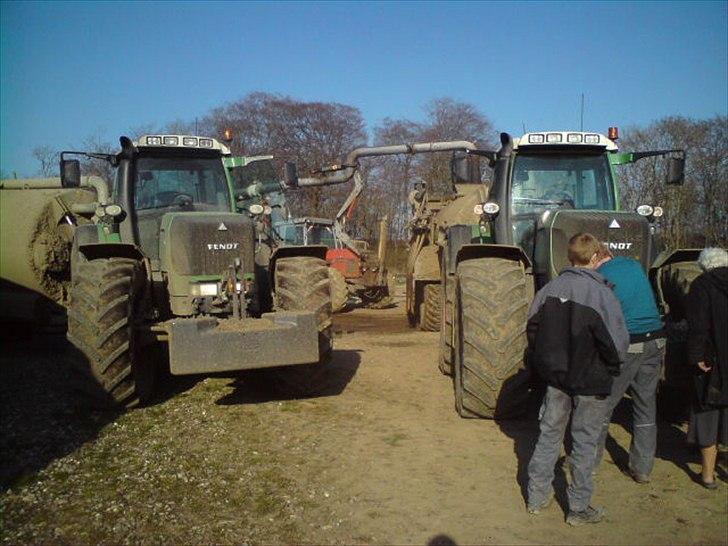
(339, 291)
(431, 308)
(302, 284)
(492, 299)
(102, 312)
(446, 327)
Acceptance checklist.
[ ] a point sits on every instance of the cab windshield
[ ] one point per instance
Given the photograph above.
(543, 182)
(306, 234)
(180, 183)
(175, 184)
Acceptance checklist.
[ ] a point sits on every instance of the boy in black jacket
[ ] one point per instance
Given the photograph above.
(577, 340)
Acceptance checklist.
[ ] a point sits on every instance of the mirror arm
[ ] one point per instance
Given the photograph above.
(111, 158)
(636, 156)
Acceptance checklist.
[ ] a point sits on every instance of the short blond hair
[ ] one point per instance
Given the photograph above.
(582, 248)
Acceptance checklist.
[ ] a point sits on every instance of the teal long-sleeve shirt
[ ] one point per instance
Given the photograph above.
(634, 292)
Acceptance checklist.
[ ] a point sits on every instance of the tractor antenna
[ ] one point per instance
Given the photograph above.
(524, 127)
(581, 125)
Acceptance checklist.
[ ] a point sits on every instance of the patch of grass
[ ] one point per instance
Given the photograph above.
(395, 439)
(289, 406)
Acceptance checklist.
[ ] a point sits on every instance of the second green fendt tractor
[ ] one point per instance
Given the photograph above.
(546, 187)
(172, 258)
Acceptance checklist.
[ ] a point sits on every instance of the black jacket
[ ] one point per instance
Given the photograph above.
(577, 334)
(707, 314)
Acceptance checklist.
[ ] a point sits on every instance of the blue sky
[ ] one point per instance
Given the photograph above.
(70, 70)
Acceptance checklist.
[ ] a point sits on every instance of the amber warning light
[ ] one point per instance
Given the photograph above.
(228, 135)
(613, 133)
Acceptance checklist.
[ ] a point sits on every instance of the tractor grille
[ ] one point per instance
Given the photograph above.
(199, 247)
(629, 239)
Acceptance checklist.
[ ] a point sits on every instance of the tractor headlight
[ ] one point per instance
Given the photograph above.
(113, 210)
(645, 210)
(657, 212)
(256, 209)
(205, 143)
(591, 139)
(189, 141)
(478, 209)
(490, 208)
(171, 141)
(154, 141)
(553, 137)
(574, 138)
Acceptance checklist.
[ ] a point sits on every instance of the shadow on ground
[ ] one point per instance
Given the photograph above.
(41, 419)
(442, 540)
(262, 386)
(44, 417)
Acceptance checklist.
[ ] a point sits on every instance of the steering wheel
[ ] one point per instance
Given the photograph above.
(562, 197)
(182, 200)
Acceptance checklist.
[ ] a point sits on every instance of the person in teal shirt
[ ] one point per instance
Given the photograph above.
(641, 370)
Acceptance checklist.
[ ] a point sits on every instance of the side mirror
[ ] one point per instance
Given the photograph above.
(70, 173)
(290, 174)
(675, 171)
(465, 169)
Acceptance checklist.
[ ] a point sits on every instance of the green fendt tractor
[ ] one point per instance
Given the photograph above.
(546, 188)
(170, 255)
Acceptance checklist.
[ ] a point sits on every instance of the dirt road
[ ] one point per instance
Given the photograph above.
(381, 457)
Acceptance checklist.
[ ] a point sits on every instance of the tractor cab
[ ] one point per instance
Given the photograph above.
(549, 186)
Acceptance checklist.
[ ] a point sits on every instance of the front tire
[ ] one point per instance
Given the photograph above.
(103, 307)
(492, 300)
(302, 284)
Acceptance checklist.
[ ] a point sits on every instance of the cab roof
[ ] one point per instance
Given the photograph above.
(574, 139)
(190, 142)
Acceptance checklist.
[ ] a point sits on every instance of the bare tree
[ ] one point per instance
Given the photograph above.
(448, 119)
(97, 167)
(313, 134)
(393, 177)
(696, 213)
(48, 159)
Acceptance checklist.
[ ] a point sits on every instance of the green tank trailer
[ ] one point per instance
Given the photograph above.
(169, 257)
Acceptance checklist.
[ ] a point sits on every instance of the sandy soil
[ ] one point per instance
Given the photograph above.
(380, 457)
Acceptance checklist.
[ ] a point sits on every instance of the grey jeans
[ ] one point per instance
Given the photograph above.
(640, 374)
(587, 416)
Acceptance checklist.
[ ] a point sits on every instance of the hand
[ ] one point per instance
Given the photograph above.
(703, 366)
